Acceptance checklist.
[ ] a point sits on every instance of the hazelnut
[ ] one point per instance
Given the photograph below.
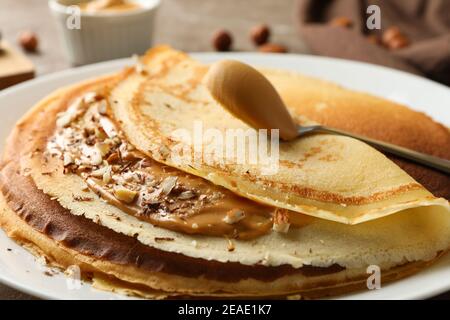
(398, 43)
(260, 34)
(391, 33)
(29, 41)
(222, 40)
(394, 38)
(272, 48)
(343, 22)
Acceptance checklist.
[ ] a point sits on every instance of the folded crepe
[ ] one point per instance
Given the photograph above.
(326, 176)
(81, 184)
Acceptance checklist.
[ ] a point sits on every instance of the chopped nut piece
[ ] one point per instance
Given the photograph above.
(65, 118)
(124, 194)
(108, 127)
(102, 107)
(131, 177)
(168, 184)
(267, 259)
(103, 148)
(234, 216)
(96, 157)
(107, 175)
(91, 97)
(113, 157)
(185, 195)
(151, 198)
(123, 150)
(68, 159)
(97, 219)
(230, 246)
(99, 172)
(194, 226)
(281, 221)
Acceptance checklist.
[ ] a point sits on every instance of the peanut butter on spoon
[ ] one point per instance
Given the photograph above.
(108, 5)
(249, 96)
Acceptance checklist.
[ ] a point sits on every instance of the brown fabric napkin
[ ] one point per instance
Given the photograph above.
(426, 23)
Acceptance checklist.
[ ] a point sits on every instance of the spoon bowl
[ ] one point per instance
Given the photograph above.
(249, 96)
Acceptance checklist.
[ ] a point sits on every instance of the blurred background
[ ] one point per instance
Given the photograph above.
(184, 24)
(412, 35)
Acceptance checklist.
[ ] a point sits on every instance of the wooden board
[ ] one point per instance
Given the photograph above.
(14, 66)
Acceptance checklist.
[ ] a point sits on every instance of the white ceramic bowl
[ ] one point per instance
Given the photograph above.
(92, 37)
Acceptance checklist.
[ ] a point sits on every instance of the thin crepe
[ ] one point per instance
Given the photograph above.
(330, 177)
(416, 234)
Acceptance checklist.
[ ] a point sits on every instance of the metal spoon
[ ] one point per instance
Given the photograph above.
(249, 96)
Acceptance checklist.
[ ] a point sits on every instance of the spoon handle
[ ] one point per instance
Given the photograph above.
(425, 159)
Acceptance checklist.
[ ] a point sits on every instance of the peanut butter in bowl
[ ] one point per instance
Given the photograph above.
(109, 6)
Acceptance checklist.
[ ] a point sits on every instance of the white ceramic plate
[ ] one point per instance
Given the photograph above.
(20, 270)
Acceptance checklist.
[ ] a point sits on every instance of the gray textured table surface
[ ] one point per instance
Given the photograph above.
(184, 24)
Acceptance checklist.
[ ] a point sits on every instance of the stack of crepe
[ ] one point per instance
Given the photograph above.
(88, 179)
